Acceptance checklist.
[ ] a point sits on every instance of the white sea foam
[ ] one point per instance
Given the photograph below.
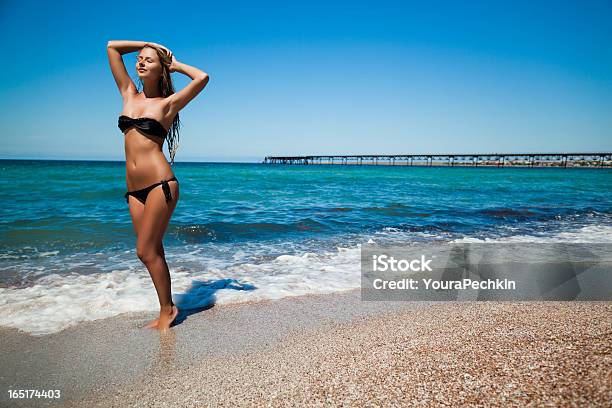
(56, 302)
(199, 278)
(587, 234)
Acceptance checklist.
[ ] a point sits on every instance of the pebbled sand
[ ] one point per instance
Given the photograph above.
(491, 354)
(339, 351)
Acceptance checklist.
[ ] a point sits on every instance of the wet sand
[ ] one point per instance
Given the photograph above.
(327, 350)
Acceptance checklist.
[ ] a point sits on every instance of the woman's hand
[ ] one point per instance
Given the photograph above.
(165, 49)
(173, 65)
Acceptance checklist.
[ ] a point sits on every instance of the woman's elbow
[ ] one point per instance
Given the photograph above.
(204, 78)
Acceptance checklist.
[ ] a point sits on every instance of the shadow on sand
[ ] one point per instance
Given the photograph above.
(201, 296)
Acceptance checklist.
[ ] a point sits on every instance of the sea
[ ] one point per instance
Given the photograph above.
(245, 232)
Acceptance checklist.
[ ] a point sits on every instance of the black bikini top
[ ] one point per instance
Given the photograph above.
(147, 125)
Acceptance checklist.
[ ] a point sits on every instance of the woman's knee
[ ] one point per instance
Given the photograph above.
(148, 253)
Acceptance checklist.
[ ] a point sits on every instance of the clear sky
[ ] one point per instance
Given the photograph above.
(296, 78)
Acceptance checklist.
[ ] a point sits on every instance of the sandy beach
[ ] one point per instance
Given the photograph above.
(327, 350)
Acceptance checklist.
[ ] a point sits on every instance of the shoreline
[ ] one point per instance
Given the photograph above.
(329, 349)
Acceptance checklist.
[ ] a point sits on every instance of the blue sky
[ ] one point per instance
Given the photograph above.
(294, 78)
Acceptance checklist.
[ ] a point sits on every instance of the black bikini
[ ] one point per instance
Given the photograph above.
(147, 125)
(152, 127)
(141, 195)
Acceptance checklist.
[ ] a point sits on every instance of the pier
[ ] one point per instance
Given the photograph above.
(451, 160)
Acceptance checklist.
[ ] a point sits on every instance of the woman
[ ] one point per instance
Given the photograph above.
(148, 117)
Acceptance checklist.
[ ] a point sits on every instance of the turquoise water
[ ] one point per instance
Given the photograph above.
(67, 208)
(272, 225)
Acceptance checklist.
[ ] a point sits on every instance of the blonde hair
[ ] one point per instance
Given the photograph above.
(166, 88)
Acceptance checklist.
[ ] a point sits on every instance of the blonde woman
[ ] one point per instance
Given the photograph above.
(150, 116)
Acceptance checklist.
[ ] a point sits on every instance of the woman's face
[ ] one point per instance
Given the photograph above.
(148, 65)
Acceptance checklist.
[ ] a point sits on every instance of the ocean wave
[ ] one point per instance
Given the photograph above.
(55, 302)
(231, 231)
(586, 234)
(508, 212)
(396, 210)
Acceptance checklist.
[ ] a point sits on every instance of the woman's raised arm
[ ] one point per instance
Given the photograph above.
(115, 49)
(199, 79)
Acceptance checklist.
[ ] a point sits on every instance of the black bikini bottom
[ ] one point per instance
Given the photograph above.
(141, 195)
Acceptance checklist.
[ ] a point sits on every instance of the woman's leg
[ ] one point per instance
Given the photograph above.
(149, 248)
(136, 211)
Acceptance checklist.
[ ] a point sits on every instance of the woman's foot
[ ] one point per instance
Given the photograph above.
(152, 325)
(172, 313)
(166, 317)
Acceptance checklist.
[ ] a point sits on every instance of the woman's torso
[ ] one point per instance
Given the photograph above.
(145, 162)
